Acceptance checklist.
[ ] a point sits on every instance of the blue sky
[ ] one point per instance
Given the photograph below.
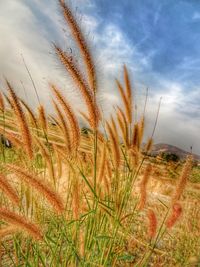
(166, 33)
(158, 40)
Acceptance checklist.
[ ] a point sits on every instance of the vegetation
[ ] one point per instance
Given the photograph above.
(170, 157)
(88, 198)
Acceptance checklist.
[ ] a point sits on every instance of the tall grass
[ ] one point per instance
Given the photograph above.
(75, 198)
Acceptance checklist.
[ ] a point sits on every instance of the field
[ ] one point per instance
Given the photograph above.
(92, 196)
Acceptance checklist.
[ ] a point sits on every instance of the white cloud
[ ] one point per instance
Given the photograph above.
(174, 126)
(20, 34)
(115, 49)
(26, 32)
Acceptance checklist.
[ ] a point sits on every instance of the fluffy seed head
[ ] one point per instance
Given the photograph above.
(79, 80)
(64, 127)
(40, 186)
(176, 213)
(2, 105)
(143, 186)
(21, 222)
(82, 44)
(125, 101)
(6, 187)
(128, 92)
(183, 179)
(42, 118)
(70, 115)
(152, 223)
(30, 112)
(26, 136)
(135, 136)
(115, 146)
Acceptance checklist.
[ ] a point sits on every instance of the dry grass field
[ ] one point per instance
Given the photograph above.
(92, 196)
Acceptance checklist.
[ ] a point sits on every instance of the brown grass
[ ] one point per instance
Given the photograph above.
(40, 186)
(25, 132)
(78, 79)
(21, 222)
(176, 213)
(152, 228)
(143, 187)
(114, 146)
(183, 179)
(70, 115)
(7, 188)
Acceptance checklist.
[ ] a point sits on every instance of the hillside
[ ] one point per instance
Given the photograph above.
(159, 148)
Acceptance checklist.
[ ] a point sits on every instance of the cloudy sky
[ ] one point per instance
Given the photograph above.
(158, 40)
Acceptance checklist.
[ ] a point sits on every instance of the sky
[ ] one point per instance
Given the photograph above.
(159, 41)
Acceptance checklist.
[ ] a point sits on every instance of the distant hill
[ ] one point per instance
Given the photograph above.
(159, 148)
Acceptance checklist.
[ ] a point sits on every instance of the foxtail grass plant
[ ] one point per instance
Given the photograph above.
(74, 196)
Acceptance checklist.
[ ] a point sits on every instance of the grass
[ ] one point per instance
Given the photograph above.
(195, 175)
(91, 197)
